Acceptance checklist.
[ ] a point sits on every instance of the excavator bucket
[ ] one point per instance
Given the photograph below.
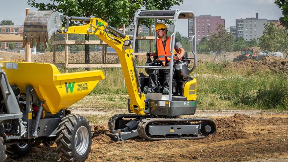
(39, 26)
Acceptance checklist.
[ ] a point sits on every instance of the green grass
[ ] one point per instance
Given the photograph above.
(220, 86)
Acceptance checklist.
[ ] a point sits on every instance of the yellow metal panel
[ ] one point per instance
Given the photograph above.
(59, 91)
(190, 90)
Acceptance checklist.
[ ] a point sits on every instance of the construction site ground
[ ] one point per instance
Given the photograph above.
(242, 135)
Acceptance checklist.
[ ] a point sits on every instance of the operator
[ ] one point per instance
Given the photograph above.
(163, 54)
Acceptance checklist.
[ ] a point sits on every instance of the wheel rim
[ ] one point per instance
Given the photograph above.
(81, 140)
(22, 145)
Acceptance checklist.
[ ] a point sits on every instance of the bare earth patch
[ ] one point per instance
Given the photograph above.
(250, 136)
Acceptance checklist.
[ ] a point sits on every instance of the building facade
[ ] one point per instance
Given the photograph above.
(233, 31)
(11, 29)
(250, 28)
(205, 25)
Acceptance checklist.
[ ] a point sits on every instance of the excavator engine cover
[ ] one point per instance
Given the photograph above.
(39, 26)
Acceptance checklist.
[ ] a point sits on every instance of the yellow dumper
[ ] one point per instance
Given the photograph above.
(58, 91)
(33, 109)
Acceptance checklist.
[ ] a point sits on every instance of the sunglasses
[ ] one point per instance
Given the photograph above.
(160, 29)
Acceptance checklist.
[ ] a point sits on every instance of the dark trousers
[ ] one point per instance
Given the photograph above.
(154, 81)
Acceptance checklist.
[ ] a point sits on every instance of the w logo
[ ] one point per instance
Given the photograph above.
(69, 86)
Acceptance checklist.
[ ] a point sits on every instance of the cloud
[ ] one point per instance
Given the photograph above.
(265, 1)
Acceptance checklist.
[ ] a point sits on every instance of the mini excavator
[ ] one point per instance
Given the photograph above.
(153, 116)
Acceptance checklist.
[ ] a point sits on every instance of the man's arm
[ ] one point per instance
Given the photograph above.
(179, 48)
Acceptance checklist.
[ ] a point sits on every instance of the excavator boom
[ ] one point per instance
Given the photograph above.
(40, 25)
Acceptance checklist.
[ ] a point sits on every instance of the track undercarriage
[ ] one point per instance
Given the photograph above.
(153, 127)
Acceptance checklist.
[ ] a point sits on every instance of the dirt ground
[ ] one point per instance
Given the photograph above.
(260, 136)
(241, 135)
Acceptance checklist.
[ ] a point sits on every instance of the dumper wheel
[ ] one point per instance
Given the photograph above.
(3, 156)
(73, 138)
(18, 150)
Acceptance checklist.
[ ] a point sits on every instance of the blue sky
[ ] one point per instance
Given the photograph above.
(230, 10)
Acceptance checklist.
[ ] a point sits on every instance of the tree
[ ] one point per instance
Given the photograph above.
(6, 22)
(253, 43)
(115, 12)
(12, 46)
(221, 40)
(283, 5)
(239, 44)
(274, 38)
(203, 47)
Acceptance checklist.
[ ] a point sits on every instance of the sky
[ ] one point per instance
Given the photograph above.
(230, 10)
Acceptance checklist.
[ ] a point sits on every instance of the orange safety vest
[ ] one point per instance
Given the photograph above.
(164, 54)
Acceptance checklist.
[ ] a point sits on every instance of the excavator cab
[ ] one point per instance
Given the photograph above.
(179, 70)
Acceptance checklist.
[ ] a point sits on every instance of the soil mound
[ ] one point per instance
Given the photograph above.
(231, 128)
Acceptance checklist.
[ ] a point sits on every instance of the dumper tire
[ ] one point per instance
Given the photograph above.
(3, 155)
(73, 138)
(18, 150)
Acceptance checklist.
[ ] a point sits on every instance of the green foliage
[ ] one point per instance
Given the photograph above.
(203, 46)
(221, 40)
(239, 44)
(253, 43)
(6, 22)
(283, 5)
(274, 38)
(12, 46)
(115, 12)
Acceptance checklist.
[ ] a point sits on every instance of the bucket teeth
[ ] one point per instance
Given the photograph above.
(39, 26)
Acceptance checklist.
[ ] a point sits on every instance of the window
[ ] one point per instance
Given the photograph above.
(7, 30)
(16, 30)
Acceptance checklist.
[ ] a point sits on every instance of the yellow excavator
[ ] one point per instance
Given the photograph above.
(153, 116)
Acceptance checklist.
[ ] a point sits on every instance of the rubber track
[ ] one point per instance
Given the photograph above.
(145, 122)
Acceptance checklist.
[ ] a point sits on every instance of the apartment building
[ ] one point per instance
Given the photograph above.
(205, 25)
(233, 31)
(11, 29)
(250, 28)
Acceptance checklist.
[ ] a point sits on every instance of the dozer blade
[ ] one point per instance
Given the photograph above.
(39, 26)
